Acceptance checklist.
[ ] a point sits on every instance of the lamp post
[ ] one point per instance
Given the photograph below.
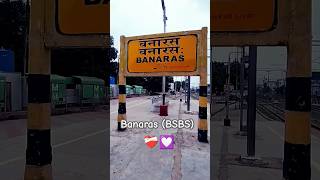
(164, 30)
(226, 119)
(164, 107)
(242, 79)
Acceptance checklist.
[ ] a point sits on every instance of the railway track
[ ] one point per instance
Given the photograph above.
(316, 108)
(275, 112)
(270, 112)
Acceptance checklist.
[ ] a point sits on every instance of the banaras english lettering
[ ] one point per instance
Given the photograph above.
(160, 50)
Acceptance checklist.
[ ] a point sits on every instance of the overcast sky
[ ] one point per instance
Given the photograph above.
(275, 58)
(142, 17)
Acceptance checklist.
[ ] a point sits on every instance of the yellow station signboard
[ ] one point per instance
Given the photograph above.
(163, 54)
(242, 15)
(77, 17)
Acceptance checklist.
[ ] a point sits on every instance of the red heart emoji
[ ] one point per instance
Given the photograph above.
(151, 141)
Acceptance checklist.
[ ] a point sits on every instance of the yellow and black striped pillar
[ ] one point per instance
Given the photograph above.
(296, 164)
(38, 151)
(122, 86)
(203, 123)
(122, 106)
(297, 131)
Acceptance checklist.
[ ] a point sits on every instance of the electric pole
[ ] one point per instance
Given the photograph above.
(164, 30)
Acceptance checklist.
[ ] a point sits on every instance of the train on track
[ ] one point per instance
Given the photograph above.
(80, 91)
(131, 91)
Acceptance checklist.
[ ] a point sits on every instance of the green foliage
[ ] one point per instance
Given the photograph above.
(85, 62)
(235, 74)
(13, 23)
(178, 85)
(183, 85)
(218, 77)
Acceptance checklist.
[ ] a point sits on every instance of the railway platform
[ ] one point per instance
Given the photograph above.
(230, 149)
(130, 158)
(78, 146)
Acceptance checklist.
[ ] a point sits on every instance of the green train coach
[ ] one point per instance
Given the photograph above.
(58, 93)
(77, 90)
(137, 90)
(91, 90)
(129, 91)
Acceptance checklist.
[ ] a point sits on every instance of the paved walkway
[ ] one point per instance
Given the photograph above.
(132, 159)
(229, 146)
(79, 147)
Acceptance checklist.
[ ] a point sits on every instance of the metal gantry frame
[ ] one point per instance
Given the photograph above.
(293, 30)
(201, 71)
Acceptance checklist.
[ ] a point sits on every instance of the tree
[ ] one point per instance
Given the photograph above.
(85, 62)
(13, 31)
(177, 85)
(235, 74)
(14, 19)
(219, 76)
(183, 84)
